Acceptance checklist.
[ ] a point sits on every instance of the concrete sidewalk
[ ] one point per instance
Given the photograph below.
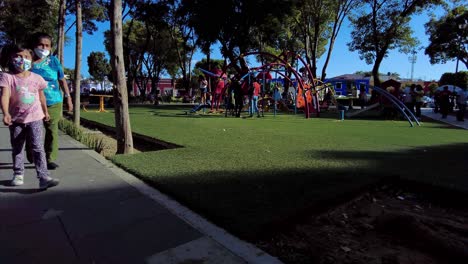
(101, 214)
(451, 119)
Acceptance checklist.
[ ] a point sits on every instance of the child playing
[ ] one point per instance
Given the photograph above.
(24, 107)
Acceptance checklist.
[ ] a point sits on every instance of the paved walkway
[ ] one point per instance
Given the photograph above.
(101, 214)
(451, 119)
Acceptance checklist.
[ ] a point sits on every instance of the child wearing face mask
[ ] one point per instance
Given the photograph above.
(24, 109)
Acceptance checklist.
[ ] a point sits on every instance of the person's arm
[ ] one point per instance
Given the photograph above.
(42, 99)
(66, 93)
(5, 102)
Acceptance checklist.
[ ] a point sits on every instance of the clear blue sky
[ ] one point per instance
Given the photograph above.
(342, 61)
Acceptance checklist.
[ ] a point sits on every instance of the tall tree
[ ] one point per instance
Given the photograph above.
(448, 37)
(340, 9)
(159, 53)
(98, 66)
(91, 11)
(314, 23)
(122, 117)
(61, 30)
(183, 39)
(134, 49)
(77, 85)
(383, 26)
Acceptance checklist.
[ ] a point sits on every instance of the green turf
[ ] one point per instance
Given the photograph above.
(244, 174)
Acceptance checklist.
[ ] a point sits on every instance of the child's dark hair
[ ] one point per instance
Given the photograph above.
(36, 38)
(7, 52)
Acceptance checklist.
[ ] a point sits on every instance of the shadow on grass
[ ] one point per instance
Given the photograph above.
(256, 204)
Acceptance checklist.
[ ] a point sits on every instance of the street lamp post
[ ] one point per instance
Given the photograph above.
(412, 60)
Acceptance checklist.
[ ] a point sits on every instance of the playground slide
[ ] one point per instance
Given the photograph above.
(370, 107)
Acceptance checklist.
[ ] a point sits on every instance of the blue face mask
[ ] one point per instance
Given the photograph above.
(22, 64)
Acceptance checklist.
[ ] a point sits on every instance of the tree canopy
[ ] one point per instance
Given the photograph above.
(20, 19)
(383, 25)
(448, 37)
(98, 66)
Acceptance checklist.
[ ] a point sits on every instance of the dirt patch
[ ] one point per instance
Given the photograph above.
(385, 225)
(141, 143)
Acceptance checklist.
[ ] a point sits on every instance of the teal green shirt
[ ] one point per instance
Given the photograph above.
(51, 70)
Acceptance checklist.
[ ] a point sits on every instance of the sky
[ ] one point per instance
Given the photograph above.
(342, 60)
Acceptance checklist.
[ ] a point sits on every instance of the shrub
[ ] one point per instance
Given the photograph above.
(91, 140)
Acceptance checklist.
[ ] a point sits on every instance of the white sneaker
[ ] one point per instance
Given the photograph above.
(17, 180)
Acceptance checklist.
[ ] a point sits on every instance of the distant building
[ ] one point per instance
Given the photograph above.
(349, 84)
(165, 86)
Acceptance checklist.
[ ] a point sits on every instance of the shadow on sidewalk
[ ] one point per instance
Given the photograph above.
(17, 190)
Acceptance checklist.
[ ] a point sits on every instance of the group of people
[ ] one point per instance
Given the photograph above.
(413, 99)
(444, 101)
(234, 92)
(32, 81)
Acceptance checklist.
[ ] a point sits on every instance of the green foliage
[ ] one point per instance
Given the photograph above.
(384, 27)
(459, 79)
(91, 11)
(235, 24)
(20, 19)
(432, 88)
(70, 73)
(98, 66)
(203, 64)
(148, 49)
(448, 37)
(79, 134)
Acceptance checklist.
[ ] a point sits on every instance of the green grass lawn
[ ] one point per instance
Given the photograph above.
(244, 174)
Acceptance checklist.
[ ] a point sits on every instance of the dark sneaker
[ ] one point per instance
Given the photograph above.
(48, 183)
(52, 166)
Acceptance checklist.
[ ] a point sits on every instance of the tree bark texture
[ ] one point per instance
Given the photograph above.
(122, 118)
(61, 30)
(77, 85)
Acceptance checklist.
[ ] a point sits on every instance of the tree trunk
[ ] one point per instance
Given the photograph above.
(61, 30)
(77, 86)
(122, 117)
(330, 49)
(208, 61)
(375, 70)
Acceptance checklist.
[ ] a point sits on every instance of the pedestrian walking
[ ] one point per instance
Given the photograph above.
(24, 108)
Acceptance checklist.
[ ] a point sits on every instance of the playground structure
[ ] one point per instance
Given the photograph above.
(305, 93)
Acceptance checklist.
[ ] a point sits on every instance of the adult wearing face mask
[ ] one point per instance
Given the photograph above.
(51, 70)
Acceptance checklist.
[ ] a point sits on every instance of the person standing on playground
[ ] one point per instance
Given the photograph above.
(362, 97)
(203, 84)
(418, 95)
(218, 93)
(409, 98)
(255, 93)
(51, 70)
(24, 108)
(461, 103)
(444, 98)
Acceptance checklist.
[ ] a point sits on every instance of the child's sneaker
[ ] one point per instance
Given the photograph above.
(47, 183)
(17, 180)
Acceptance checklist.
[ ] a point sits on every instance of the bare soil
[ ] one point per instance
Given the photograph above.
(384, 226)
